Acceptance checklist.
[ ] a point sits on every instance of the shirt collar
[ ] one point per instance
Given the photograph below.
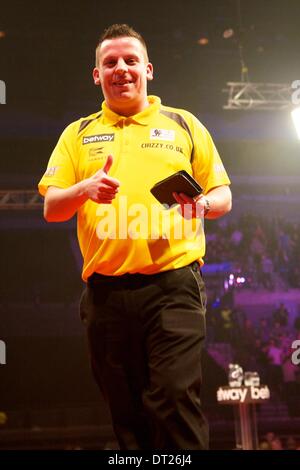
(112, 118)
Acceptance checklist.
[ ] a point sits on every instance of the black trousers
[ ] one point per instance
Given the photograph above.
(145, 335)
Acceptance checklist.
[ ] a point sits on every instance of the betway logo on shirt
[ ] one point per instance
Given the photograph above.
(98, 138)
(162, 134)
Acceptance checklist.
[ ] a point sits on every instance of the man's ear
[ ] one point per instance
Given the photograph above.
(96, 76)
(149, 71)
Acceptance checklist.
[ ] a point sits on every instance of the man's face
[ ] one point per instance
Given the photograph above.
(122, 72)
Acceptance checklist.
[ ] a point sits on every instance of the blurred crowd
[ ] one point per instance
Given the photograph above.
(262, 249)
(264, 347)
(272, 441)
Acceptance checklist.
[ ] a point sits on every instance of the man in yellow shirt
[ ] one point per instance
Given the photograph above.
(144, 304)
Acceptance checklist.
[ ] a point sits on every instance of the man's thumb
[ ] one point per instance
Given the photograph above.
(108, 164)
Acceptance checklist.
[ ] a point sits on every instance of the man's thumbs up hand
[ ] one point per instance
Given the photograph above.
(101, 187)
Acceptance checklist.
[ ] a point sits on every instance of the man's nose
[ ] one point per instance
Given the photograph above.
(121, 66)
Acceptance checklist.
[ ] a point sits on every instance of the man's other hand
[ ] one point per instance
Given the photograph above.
(189, 207)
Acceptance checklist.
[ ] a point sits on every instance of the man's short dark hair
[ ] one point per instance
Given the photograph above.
(120, 31)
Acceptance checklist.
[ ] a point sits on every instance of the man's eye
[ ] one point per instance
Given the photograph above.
(131, 61)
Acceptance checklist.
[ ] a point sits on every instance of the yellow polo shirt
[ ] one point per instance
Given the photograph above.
(135, 233)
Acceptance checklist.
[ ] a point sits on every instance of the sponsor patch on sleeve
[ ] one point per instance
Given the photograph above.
(219, 168)
(51, 171)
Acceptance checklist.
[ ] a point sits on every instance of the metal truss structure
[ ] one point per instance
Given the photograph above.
(258, 96)
(20, 199)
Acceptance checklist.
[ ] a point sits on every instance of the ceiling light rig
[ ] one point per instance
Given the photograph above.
(259, 96)
(248, 95)
(20, 199)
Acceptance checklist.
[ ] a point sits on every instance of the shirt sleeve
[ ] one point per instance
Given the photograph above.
(61, 169)
(207, 165)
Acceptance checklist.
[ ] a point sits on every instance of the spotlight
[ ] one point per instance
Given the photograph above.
(203, 41)
(228, 33)
(296, 120)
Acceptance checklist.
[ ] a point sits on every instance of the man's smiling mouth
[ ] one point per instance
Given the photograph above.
(122, 83)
